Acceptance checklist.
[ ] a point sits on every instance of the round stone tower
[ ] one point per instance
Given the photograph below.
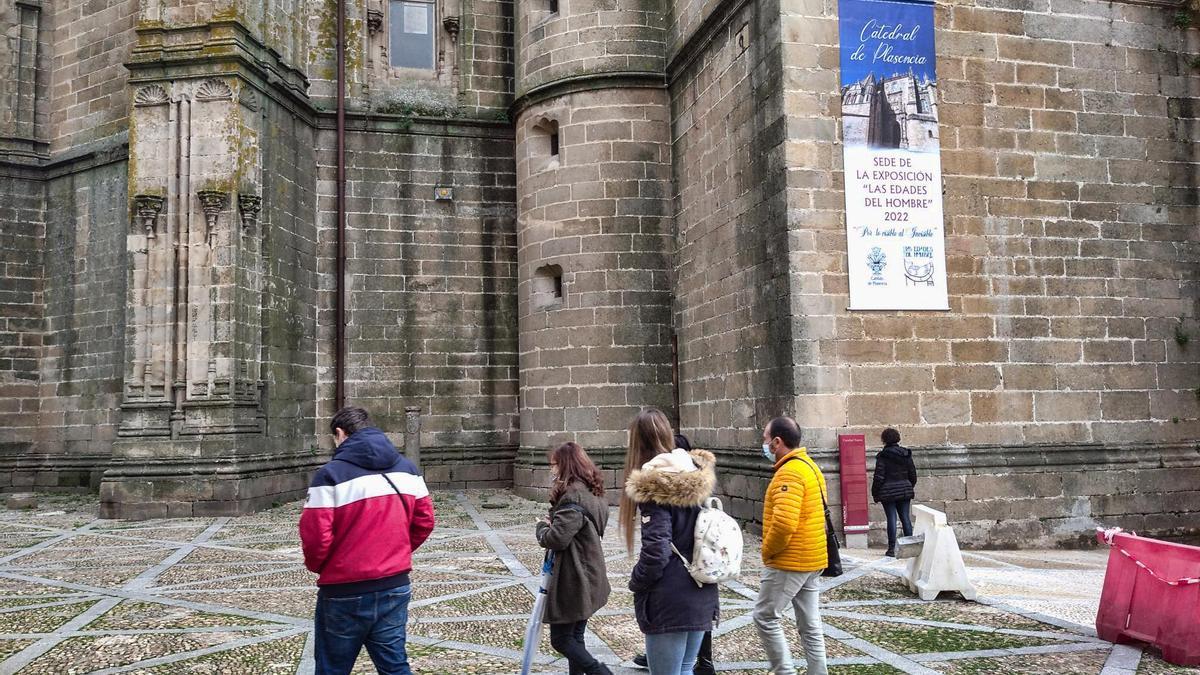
(594, 230)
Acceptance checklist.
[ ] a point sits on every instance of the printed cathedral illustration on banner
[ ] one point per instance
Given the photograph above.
(894, 232)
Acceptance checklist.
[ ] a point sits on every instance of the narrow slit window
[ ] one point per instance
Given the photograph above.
(412, 34)
(548, 290)
(553, 6)
(545, 145)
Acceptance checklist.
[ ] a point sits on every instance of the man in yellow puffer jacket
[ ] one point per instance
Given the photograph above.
(793, 550)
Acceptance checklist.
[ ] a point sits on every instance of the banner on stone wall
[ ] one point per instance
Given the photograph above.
(894, 231)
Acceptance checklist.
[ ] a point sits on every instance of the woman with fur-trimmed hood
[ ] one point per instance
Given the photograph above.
(666, 487)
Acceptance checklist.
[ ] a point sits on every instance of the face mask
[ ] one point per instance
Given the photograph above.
(767, 452)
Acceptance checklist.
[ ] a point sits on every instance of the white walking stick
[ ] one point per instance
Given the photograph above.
(533, 631)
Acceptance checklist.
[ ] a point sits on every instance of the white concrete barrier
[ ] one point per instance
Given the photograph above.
(939, 566)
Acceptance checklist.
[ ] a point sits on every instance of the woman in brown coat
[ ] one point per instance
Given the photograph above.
(579, 578)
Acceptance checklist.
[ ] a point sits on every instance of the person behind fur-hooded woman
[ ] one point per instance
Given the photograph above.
(579, 578)
(665, 487)
(893, 485)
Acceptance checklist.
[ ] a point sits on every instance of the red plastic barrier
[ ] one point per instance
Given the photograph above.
(1152, 594)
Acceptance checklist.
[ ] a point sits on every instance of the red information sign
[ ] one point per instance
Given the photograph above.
(852, 449)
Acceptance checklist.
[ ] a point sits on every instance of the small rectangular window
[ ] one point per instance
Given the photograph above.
(412, 34)
(554, 145)
(548, 287)
(553, 6)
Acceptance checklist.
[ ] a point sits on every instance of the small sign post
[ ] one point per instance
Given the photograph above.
(852, 450)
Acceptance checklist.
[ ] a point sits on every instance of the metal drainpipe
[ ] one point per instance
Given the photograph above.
(339, 357)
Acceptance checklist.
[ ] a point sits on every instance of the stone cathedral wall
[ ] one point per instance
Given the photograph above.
(1060, 391)
(431, 311)
(640, 194)
(22, 327)
(63, 138)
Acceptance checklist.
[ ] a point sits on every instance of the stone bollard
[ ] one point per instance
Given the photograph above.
(22, 500)
(412, 434)
(939, 566)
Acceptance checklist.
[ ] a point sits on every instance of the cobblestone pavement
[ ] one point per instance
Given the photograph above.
(222, 595)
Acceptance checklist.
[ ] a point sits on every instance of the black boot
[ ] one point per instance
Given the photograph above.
(599, 669)
(640, 661)
(704, 660)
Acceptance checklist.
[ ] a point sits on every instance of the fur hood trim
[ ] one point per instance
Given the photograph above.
(689, 488)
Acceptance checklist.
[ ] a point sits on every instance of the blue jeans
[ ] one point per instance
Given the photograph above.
(378, 620)
(894, 509)
(673, 653)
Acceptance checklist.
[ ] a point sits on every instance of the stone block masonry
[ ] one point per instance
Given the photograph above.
(661, 223)
(1071, 252)
(432, 302)
(487, 57)
(289, 282)
(593, 226)
(731, 266)
(1068, 240)
(87, 95)
(63, 263)
(23, 113)
(83, 356)
(588, 38)
(22, 329)
(594, 288)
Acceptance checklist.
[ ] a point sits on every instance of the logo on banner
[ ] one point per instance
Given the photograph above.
(876, 261)
(918, 265)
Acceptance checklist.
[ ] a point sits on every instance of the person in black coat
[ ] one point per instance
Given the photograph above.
(895, 478)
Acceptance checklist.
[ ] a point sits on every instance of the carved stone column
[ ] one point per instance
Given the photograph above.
(22, 75)
(247, 386)
(412, 434)
(142, 244)
(452, 24)
(377, 43)
(150, 248)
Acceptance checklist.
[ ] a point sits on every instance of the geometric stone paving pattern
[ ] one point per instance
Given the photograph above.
(231, 595)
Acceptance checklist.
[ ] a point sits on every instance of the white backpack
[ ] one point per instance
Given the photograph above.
(717, 550)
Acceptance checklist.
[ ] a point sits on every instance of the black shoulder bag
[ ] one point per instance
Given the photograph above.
(831, 543)
(403, 506)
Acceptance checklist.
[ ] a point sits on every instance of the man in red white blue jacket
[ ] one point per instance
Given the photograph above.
(367, 510)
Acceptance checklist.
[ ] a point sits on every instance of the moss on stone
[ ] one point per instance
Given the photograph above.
(863, 669)
(913, 639)
(413, 101)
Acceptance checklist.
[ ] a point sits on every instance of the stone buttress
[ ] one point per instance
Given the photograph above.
(194, 437)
